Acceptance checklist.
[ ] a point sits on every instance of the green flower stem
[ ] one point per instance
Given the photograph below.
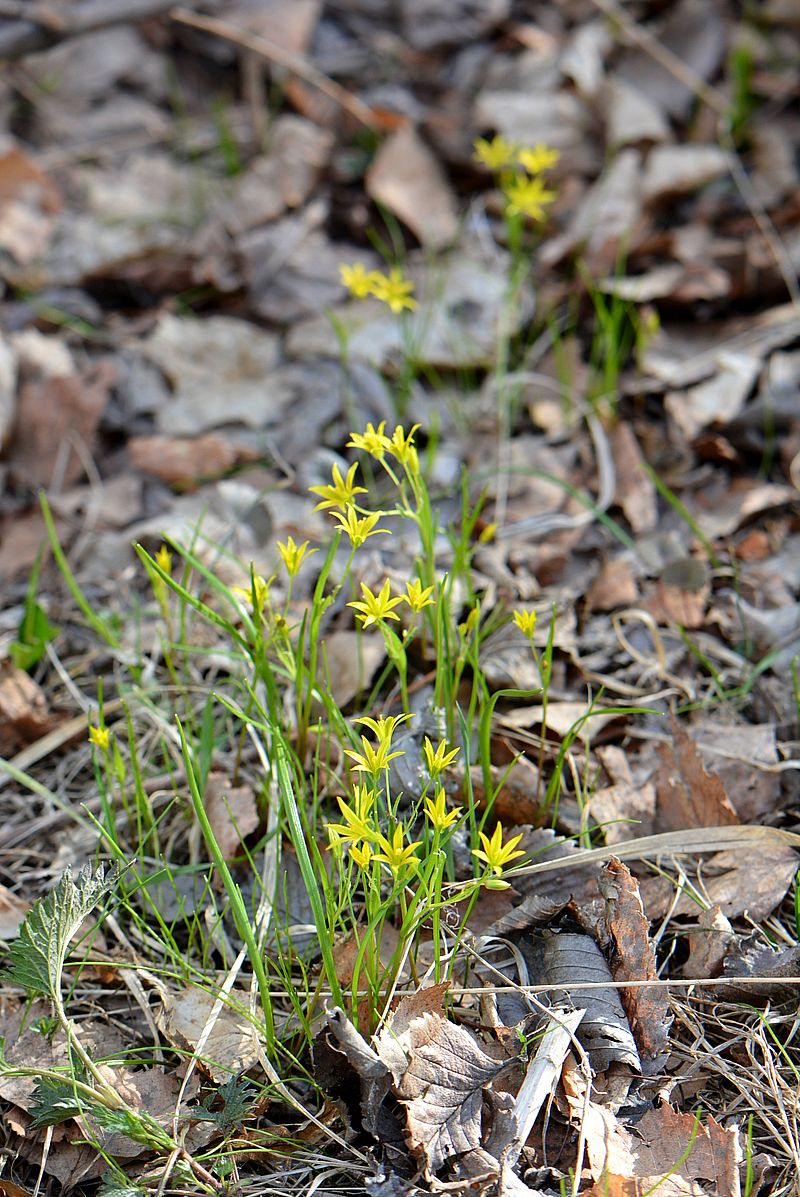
(238, 910)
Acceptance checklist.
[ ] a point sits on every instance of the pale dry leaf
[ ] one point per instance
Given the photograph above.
(561, 718)
(634, 959)
(349, 661)
(743, 756)
(753, 958)
(442, 1088)
(695, 34)
(557, 118)
(433, 24)
(630, 115)
(709, 944)
(608, 1144)
(408, 179)
(752, 884)
(676, 169)
(624, 810)
(289, 26)
(217, 367)
(689, 353)
(716, 400)
(608, 214)
(233, 1043)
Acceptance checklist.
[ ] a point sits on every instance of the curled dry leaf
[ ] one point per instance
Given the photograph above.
(634, 959)
(604, 1031)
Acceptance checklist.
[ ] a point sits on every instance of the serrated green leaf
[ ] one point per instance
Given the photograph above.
(38, 953)
(141, 1127)
(113, 1184)
(237, 1097)
(55, 1101)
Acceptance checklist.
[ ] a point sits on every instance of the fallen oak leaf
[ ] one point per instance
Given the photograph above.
(443, 1089)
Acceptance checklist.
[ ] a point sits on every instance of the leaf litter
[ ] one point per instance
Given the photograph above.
(175, 318)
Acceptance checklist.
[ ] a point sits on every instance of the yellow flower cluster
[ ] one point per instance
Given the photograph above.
(374, 607)
(360, 830)
(520, 170)
(339, 495)
(393, 288)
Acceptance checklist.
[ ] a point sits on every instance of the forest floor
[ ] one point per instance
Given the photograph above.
(400, 574)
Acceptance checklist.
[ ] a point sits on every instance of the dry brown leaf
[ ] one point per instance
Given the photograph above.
(615, 586)
(635, 492)
(21, 538)
(53, 415)
(9, 1189)
(666, 1151)
(669, 604)
(443, 1088)
(714, 1154)
(182, 460)
(709, 944)
(29, 201)
(688, 796)
(440, 1072)
(23, 710)
(752, 884)
(408, 179)
(12, 911)
(611, 1185)
(233, 1042)
(232, 812)
(514, 788)
(634, 959)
